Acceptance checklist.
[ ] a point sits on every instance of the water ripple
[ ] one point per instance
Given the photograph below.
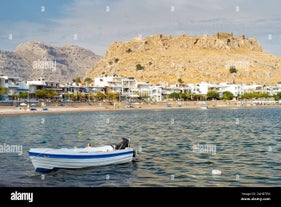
(244, 143)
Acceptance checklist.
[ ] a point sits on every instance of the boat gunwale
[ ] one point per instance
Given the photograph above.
(82, 155)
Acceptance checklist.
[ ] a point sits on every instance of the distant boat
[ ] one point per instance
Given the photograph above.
(204, 107)
(130, 106)
(217, 172)
(48, 159)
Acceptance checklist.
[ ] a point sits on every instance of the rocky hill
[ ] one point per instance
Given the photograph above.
(32, 60)
(192, 59)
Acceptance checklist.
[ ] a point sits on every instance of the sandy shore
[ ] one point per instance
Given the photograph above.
(85, 107)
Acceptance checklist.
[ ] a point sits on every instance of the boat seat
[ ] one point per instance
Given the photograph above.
(106, 148)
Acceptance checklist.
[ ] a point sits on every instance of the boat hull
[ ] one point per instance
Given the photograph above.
(47, 159)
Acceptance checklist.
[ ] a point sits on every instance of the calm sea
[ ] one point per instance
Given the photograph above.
(175, 147)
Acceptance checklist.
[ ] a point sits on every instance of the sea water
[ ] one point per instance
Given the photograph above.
(175, 148)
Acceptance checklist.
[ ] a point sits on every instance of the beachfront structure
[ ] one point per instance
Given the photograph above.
(14, 86)
(199, 88)
(70, 88)
(128, 88)
(36, 85)
(116, 84)
(143, 89)
(235, 89)
(173, 88)
(41, 83)
(253, 88)
(273, 90)
(156, 93)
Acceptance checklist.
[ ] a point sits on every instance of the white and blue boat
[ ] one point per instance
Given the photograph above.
(48, 159)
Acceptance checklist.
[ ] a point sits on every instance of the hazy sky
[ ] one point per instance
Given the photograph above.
(95, 24)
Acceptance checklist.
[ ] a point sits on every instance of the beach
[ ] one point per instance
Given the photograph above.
(170, 105)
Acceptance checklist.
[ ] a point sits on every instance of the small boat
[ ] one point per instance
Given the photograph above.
(48, 159)
(217, 172)
(204, 107)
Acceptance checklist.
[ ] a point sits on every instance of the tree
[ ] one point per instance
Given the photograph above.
(187, 96)
(139, 67)
(212, 95)
(174, 95)
(277, 96)
(254, 95)
(233, 72)
(50, 93)
(79, 96)
(100, 96)
(77, 80)
(88, 80)
(197, 97)
(227, 95)
(180, 81)
(232, 69)
(23, 95)
(3, 91)
(184, 96)
(45, 93)
(112, 96)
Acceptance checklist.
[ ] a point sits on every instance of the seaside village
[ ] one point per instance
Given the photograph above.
(119, 88)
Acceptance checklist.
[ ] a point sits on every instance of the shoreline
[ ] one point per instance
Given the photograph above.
(106, 107)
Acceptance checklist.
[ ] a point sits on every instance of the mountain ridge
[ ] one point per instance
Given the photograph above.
(32, 60)
(191, 59)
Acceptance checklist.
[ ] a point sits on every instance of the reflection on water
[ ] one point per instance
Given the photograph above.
(175, 147)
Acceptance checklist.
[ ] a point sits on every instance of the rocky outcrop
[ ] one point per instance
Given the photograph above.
(161, 58)
(32, 60)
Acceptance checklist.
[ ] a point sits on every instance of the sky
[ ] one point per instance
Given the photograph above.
(95, 24)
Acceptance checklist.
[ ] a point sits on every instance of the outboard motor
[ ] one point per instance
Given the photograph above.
(123, 144)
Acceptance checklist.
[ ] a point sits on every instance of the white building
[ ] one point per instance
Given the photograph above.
(13, 84)
(116, 84)
(252, 88)
(36, 85)
(199, 88)
(143, 89)
(155, 93)
(235, 89)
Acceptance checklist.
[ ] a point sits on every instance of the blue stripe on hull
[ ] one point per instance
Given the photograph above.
(37, 154)
(39, 169)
